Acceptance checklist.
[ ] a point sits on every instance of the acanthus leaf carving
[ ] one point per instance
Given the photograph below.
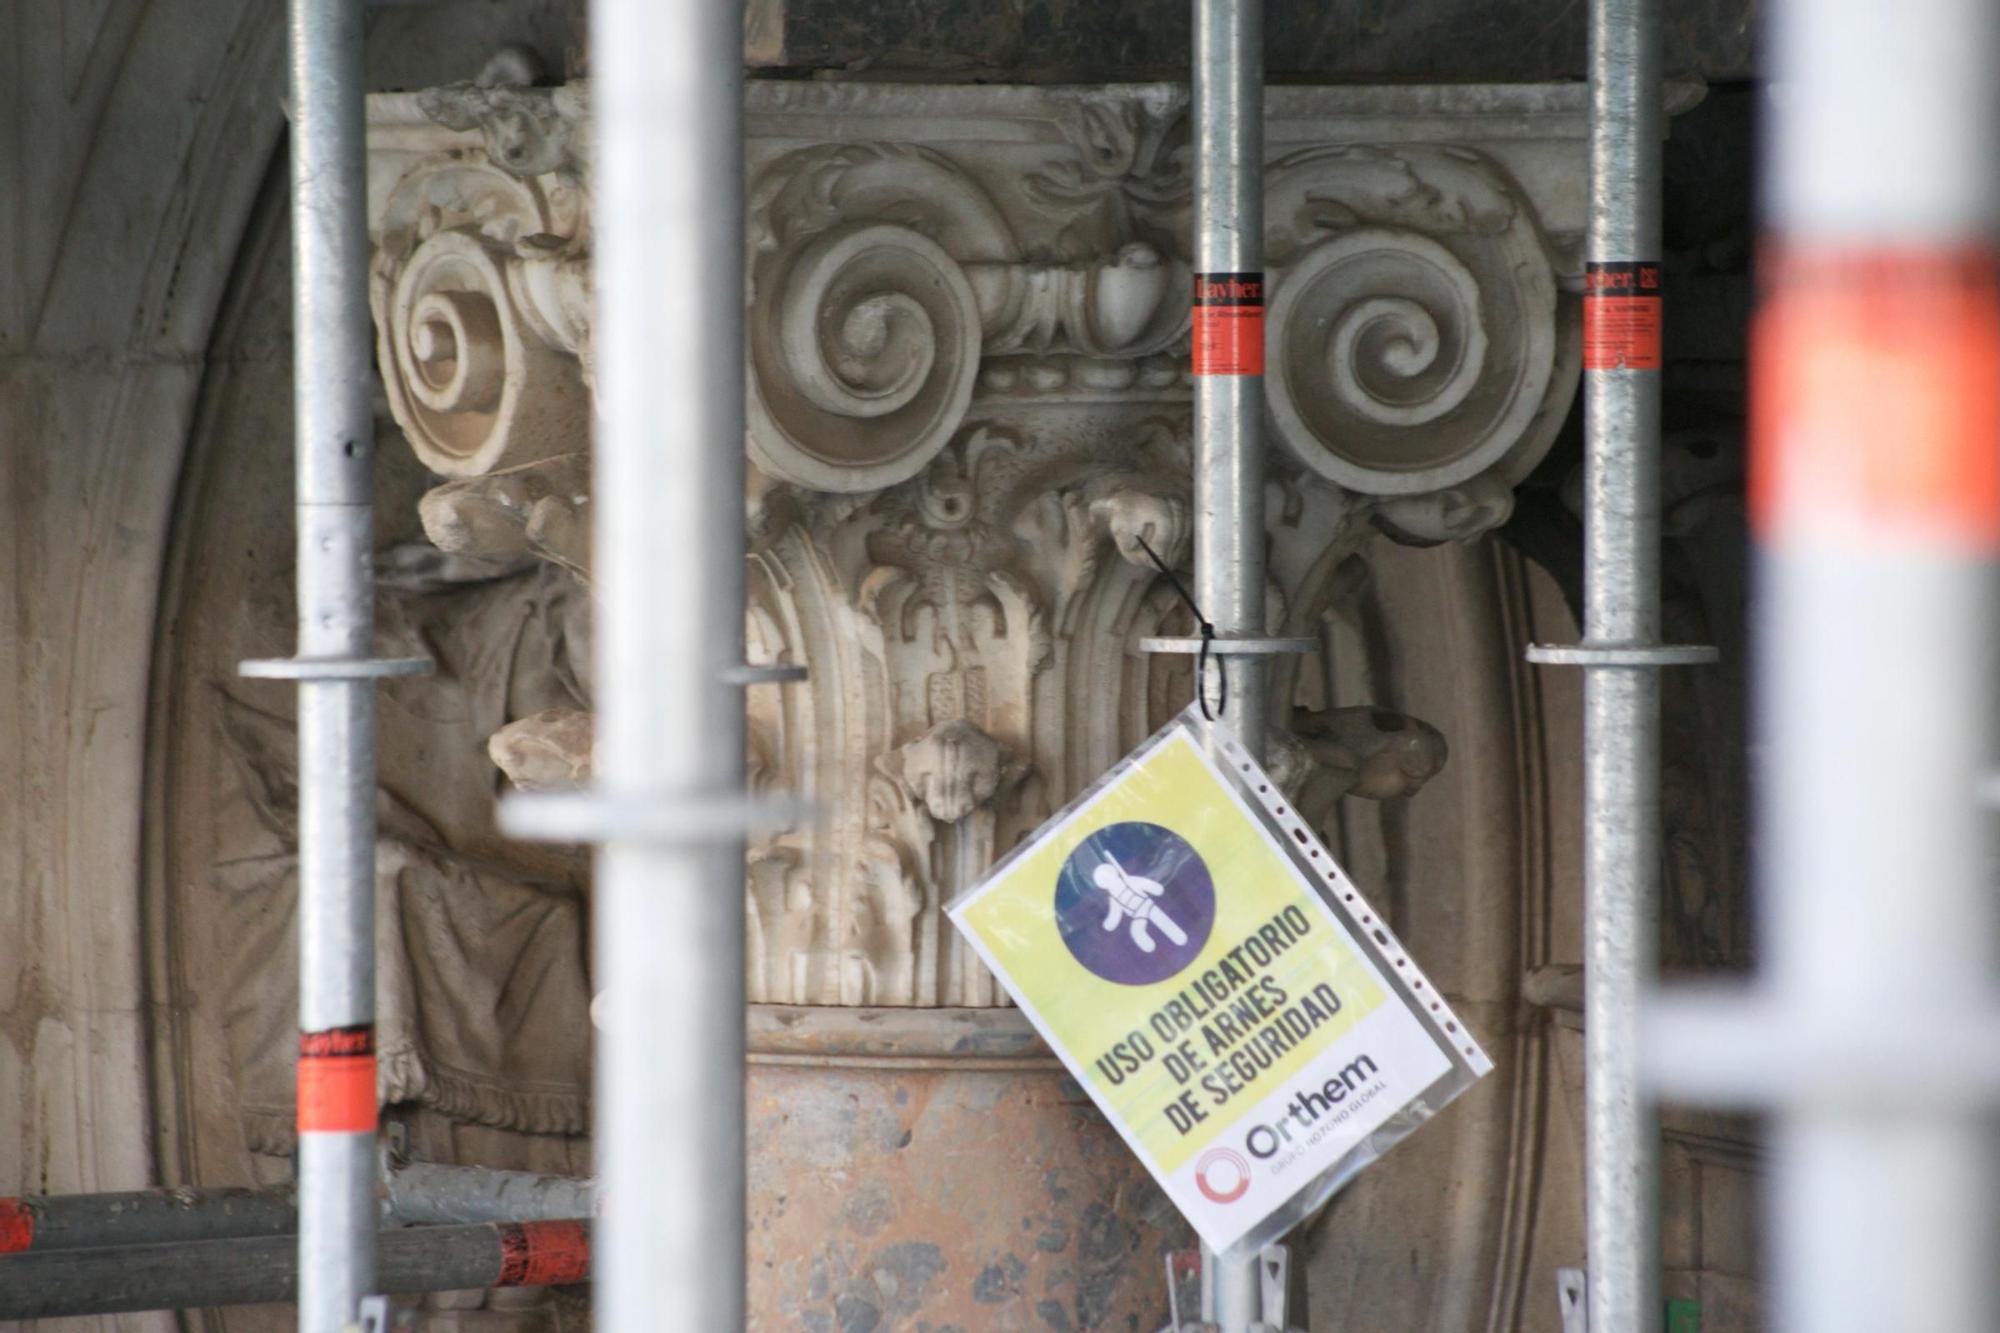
(1130, 167)
(527, 131)
(953, 769)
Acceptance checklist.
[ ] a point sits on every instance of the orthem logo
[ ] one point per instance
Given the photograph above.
(1222, 1175)
(1305, 1110)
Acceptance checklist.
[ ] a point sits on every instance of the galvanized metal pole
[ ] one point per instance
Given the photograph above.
(255, 1270)
(143, 1217)
(1228, 363)
(669, 490)
(413, 1194)
(334, 428)
(1622, 654)
(429, 1194)
(1229, 343)
(668, 806)
(1876, 504)
(1621, 707)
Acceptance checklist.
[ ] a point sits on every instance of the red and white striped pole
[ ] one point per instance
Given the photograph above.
(1876, 506)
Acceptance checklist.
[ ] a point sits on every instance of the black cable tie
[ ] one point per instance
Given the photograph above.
(1207, 641)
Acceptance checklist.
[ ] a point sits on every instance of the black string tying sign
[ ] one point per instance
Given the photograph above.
(1207, 642)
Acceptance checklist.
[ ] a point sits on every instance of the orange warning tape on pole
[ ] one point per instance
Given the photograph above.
(17, 1226)
(337, 1081)
(543, 1254)
(1875, 408)
(1622, 315)
(1228, 324)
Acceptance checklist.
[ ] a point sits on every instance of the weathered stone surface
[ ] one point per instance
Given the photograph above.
(1121, 40)
(934, 1197)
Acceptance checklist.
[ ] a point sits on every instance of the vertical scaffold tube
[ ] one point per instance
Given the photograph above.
(335, 431)
(668, 489)
(1621, 709)
(1228, 364)
(1875, 503)
(1876, 506)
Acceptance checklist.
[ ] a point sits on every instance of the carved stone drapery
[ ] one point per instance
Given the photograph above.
(967, 344)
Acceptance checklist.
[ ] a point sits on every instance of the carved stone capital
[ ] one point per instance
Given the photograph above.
(918, 252)
(969, 415)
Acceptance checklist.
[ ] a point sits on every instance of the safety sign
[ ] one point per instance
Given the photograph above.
(1237, 1010)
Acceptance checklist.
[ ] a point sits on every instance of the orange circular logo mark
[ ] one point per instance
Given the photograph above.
(1222, 1175)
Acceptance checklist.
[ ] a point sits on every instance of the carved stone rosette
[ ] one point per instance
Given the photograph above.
(967, 338)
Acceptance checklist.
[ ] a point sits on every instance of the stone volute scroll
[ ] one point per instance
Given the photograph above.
(1414, 308)
(480, 290)
(865, 332)
(887, 287)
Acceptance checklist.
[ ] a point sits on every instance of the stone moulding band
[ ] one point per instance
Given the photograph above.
(965, 1040)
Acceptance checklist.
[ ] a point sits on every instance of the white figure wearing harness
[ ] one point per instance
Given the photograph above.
(1132, 896)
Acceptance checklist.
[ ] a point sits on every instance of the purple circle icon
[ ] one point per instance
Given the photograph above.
(1134, 903)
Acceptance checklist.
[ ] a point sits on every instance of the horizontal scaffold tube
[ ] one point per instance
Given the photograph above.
(143, 1217)
(262, 1269)
(418, 1194)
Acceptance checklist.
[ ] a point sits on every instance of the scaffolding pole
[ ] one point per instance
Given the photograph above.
(141, 1217)
(1621, 654)
(669, 808)
(436, 1193)
(413, 1194)
(1228, 364)
(1873, 1031)
(335, 425)
(255, 1270)
(334, 429)
(669, 489)
(1621, 707)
